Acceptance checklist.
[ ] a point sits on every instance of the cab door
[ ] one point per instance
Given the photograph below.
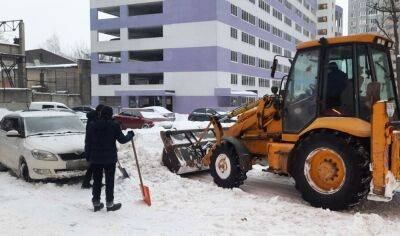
(300, 106)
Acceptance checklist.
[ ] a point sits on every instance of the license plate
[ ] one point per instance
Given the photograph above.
(77, 165)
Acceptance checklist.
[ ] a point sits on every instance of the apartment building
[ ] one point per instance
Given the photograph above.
(330, 19)
(361, 18)
(184, 54)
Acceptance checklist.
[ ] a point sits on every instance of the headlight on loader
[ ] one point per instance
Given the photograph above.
(390, 109)
(44, 155)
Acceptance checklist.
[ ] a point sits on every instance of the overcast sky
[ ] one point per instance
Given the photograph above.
(69, 19)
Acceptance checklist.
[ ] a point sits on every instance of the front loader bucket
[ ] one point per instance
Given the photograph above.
(183, 153)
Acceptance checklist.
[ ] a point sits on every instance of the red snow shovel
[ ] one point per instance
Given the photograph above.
(145, 190)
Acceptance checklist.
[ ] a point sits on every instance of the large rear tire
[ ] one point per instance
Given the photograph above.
(331, 170)
(225, 168)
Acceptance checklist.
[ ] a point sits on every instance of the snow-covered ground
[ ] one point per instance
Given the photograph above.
(266, 204)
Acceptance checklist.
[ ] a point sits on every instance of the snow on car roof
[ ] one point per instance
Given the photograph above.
(42, 113)
(159, 109)
(48, 103)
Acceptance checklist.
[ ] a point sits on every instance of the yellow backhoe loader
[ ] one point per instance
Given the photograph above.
(333, 126)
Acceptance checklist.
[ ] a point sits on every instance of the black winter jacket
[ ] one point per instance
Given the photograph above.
(100, 142)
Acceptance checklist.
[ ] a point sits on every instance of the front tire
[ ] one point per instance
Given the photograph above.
(331, 170)
(24, 171)
(225, 168)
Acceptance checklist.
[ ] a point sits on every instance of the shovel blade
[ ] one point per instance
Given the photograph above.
(146, 194)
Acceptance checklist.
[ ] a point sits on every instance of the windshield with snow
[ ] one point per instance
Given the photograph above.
(53, 125)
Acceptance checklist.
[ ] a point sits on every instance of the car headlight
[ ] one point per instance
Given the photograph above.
(44, 155)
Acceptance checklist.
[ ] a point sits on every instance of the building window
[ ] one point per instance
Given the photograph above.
(234, 33)
(323, 6)
(234, 56)
(146, 32)
(234, 79)
(108, 13)
(264, 25)
(147, 55)
(298, 28)
(264, 44)
(263, 83)
(323, 19)
(263, 5)
(234, 10)
(247, 38)
(248, 60)
(322, 32)
(248, 80)
(112, 101)
(264, 64)
(287, 53)
(288, 21)
(109, 57)
(276, 49)
(277, 14)
(145, 9)
(277, 32)
(306, 33)
(108, 35)
(288, 37)
(110, 79)
(276, 83)
(146, 79)
(248, 17)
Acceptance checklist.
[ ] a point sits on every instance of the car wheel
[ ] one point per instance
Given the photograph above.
(145, 126)
(3, 168)
(24, 171)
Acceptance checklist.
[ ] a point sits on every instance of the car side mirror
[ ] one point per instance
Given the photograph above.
(13, 134)
(273, 68)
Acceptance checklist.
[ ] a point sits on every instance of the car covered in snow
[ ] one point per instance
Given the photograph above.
(205, 114)
(57, 106)
(141, 118)
(162, 111)
(42, 144)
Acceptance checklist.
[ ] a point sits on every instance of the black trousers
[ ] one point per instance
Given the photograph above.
(88, 175)
(109, 171)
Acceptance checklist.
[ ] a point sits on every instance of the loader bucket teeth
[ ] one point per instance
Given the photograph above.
(182, 151)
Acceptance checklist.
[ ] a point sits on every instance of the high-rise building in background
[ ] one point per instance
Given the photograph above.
(184, 54)
(361, 18)
(330, 19)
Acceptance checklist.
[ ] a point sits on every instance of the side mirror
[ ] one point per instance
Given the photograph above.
(273, 68)
(274, 90)
(13, 134)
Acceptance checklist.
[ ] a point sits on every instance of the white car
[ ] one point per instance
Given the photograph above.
(56, 106)
(42, 145)
(162, 111)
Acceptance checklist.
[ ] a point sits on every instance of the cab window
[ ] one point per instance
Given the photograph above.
(301, 96)
(382, 70)
(364, 82)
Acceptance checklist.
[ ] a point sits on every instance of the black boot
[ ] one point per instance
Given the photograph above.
(86, 185)
(98, 207)
(113, 207)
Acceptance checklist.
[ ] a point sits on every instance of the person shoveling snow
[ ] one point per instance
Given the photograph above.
(101, 151)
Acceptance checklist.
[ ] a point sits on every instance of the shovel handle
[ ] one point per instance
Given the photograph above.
(137, 163)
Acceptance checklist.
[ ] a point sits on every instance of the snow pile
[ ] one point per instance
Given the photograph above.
(265, 205)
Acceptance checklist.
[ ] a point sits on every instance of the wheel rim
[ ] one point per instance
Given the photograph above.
(223, 166)
(325, 171)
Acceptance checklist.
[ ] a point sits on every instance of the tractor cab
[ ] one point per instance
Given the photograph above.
(340, 77)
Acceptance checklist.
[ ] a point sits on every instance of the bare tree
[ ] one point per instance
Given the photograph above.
(80, 51)
(52, 44)
(388, 22)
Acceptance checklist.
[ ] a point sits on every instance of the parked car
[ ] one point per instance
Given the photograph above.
(42, 144)
(204, 114)
(83, 109)
(163, 111)
(56, 106)
(137, 118)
